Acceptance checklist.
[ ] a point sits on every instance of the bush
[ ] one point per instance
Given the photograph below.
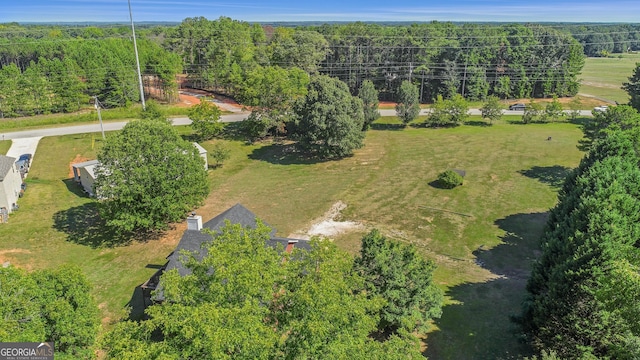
(219, 154)
(449, 179)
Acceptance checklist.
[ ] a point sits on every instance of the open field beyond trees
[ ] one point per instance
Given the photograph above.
(482, 235)
(603, 77)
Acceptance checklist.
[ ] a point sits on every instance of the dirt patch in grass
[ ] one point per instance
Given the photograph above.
(6, 259)
(328, 226)
(76, 160)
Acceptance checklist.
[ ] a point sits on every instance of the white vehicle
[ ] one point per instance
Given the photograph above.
(602, 108)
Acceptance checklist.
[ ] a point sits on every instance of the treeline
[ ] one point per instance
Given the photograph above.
(584, 289)
(445, 59)
(441, 58)
(603, 40)
(58, 70)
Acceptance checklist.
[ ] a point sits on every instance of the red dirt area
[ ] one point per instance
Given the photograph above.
(77, 159)
(188, 100)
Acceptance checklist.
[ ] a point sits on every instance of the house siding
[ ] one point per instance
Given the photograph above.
(10, 188)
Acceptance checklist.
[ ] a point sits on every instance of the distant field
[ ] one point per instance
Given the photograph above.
(603, 77)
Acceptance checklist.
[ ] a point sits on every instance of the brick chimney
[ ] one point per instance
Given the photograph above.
(194, 222)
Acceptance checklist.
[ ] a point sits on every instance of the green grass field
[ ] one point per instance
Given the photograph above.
(603, 77)
(483, 255)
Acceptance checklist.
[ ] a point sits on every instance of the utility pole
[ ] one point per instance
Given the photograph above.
(135, 48)
(97, 104)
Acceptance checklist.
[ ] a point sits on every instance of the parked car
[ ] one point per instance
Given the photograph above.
(517, 107)
(23, 166)
(23, 163)
(602, 108)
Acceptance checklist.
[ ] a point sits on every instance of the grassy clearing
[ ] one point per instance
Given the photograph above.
(603, 77)
(483, 258)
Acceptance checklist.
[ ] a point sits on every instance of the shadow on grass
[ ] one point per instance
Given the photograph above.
(83, 226)
(551, 175)
(75, 188)
(477, 322)
(436, 184)
(478, 123)
(580, 120)
(284, 154)
(387, 126)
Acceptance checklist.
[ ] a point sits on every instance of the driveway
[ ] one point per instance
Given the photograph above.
(24, 146)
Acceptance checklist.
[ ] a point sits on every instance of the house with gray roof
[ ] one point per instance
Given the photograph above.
(10, 184)
(194, 239)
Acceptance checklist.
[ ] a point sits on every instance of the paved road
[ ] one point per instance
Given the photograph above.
(111, 126)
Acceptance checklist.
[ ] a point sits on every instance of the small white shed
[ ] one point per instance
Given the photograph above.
(84, 173)
(203, 154)
(10, 183)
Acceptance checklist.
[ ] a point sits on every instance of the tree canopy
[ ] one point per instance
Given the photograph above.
(245, 300)
(369, 96)
(581, 293)
(148, 177)
(205, 120)
(49, 305)
(403, 278)
(329, 120)
(408, 107)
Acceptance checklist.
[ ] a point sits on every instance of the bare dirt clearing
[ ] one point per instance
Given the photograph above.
(328, 226)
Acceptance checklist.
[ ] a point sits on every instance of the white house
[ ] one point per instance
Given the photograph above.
(10, 183)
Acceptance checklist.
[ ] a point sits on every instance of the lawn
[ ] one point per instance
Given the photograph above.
(603, 77)
(482, 235)
(4, 146)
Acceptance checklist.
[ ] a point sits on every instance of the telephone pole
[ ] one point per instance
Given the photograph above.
(97, 104)
(135, 48)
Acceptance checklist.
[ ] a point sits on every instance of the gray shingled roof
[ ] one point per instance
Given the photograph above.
(6, 162)
(193, 240)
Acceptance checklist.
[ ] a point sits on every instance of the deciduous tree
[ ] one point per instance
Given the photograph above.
(329, 119)
(369, 96)
(49, 305)
(205, 120)
(148, 177)
(492, 109)
(408, 107)
(403, 278)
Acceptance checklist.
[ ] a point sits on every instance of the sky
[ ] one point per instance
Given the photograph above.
(323, 10)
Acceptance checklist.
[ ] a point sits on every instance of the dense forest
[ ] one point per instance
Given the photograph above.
(46, 69)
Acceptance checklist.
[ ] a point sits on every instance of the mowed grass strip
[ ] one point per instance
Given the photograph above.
(482, 235)
(4, 146)
(603, 77)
